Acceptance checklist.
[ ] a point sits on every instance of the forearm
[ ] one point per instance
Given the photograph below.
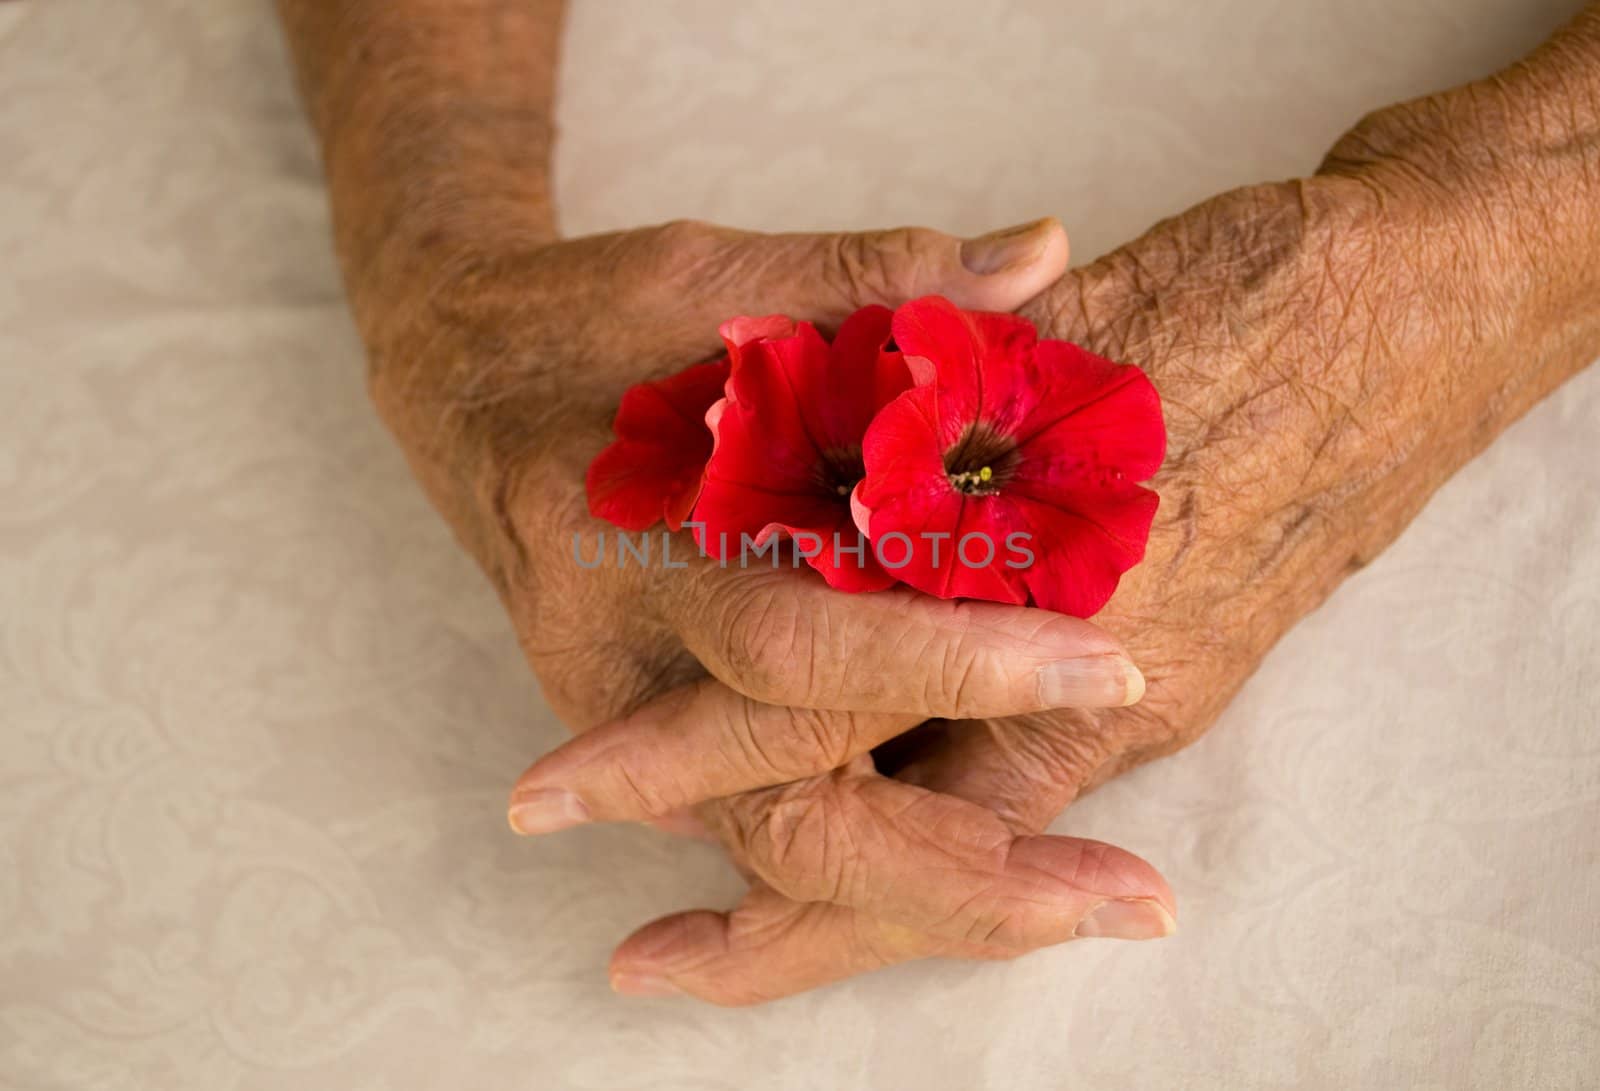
(1513, 162)
(435, 119)
(1505, 264)
(1550, 187)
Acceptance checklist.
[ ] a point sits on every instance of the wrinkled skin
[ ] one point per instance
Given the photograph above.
(1325, 367)
(1329, 351)
(805, 679)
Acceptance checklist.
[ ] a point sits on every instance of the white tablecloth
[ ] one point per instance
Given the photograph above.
(259, 713)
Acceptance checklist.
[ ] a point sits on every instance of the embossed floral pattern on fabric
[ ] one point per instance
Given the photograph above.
(257, 708)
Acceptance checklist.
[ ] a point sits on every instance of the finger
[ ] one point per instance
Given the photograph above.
(765, 948)
(826, 277)
(775, 943)
(1025, 771)
(706, 741)
(772, 946)
(931, 862)
(702, 741)
(820, 679)
(674, 284)
(787, 641)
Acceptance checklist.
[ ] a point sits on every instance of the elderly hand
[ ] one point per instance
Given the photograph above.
(500, 388)
(498, 355)
(1329, 350)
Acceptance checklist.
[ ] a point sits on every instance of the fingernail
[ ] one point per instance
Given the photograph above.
(546, 810)
(1090, 681)
(1004, 249)
(1133, 680)
(1127, 918)
(643, 985)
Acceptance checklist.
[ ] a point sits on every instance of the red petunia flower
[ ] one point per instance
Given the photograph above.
(654, 468)
(788, 441)
(1008, 473)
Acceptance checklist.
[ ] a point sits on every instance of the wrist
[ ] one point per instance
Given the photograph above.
(1501, 181)
(493, 390)
(416, 243)
(436, 127)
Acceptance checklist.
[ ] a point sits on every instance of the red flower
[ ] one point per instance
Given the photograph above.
(1006, 436)
(653, 470)
(788, 440)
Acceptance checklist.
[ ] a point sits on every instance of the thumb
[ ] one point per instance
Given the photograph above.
(824, 278)
(675, 283)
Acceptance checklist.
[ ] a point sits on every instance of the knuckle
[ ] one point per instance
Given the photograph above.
(826, 739)
(762, 640)
(998, 926)
(758, 932)
(1065, 753)
(676, 251)
(534, 517)
(987, 915)
(1366, 142)
(683, 237)
(547, 514)
(791, 836)
(879, 266)
(805, 742)
(796, 839)
(1397, 134)
(967, 676)
(639, 792)
(821, 739)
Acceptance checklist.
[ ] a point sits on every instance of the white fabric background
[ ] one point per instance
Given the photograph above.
(259, 713)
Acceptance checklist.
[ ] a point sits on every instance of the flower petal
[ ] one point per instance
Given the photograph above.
(762, 435)
(846, 559)
(861, 377)
(793, 401)
(654, 468)
(1086, 429)
(762, 514)
(903, 452)
(951, 545)
(730, 509)
(912, 513)
(1080, 555)
(1095, 421)
(738, 332)
(981, 363)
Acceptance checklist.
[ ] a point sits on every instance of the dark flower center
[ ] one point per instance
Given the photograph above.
(840, 469)
(981, 461)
